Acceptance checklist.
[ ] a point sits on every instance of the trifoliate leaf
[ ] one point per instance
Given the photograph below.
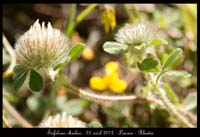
(148, 65)
(157, 42)
(173, 56)
(171, 94)
(183, 74)
(114, 47)
(190, 102)
(76, 51)
(20, 73)
(36, 81)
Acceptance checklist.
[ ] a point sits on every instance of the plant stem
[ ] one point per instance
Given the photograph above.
(63, 82)
(112, 99)
(5, 121)
(79, 18)
(170, 107)
(11, 51)
(130, 15)
(15, 114)
(159, 76)
(136, 11)
(70, 23)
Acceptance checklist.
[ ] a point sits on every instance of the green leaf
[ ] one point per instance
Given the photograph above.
(36, 81)
(173, 56)
(190, 102)
(157, 42)
(20, 73)
(74, 107)
(94, 124)
(114, 47)
(183, 74)
(60, 102)
(36, 103)
(19, 70)
(148, 65)
(76, 51)
(171, 94)
(59, 66)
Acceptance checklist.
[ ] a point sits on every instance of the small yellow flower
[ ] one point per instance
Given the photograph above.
(118, 86)
(111, 67)
(108, 18)
(110, 80)
(98, 84)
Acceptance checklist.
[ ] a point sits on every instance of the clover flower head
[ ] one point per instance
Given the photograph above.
(62, 120)
(41, 47)
(135, 34)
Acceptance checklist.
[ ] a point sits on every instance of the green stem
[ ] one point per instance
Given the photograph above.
(158, 77)
(50, 105)
(85, 12)
(130, 15)
(103, 99)
(64, 83)
(70, 23)
(79, 18)
(171, 108)
(136, 11)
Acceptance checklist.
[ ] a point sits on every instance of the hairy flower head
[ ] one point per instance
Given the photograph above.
(135, 34)
(62, 120)
(41, 47)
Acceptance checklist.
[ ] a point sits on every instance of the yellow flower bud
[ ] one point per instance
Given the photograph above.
(88, 54)
(97, 83)
(118, 86)
(111, 66)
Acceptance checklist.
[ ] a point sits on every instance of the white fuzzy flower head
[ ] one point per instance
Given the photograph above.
(62, 120)
(41, 47)
(135, 34)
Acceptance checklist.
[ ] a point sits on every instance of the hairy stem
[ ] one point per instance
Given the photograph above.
(15, 114)
(5, 121)
(170, 107)
(112, 99)
(11, 51)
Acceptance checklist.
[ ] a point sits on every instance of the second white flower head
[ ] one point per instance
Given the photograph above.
(135, 34)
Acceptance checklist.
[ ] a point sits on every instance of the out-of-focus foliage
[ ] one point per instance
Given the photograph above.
(189, 18)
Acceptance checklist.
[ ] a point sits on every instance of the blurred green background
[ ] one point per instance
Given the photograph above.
(176, 22)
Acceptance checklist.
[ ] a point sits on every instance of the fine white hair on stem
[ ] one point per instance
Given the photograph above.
(41, 47)
(102, 99)
(112, 99)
